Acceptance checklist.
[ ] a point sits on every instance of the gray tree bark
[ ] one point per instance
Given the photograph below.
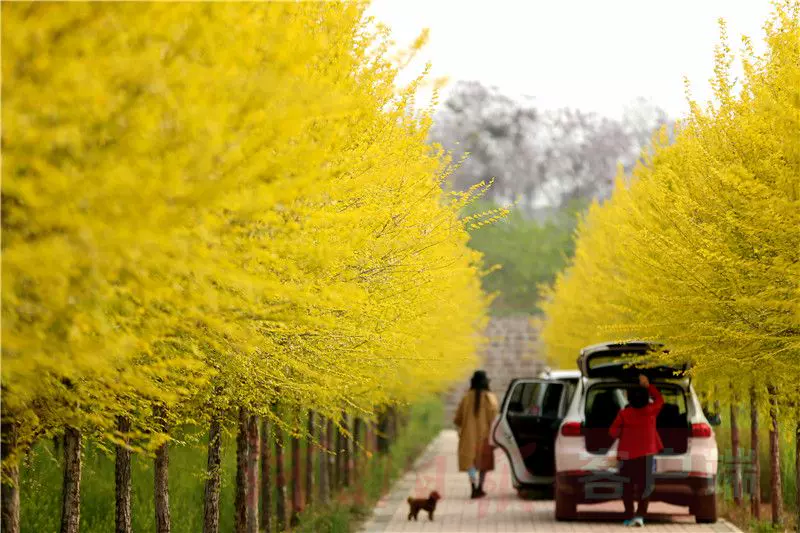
(252, 474)
(162, 478)
(755, 493)
(797, 473)
(346, 454)
(122, 473)
(297, 490)
(310, 458)
(240, 498)
(737, 465)
(331, 437)
(71, 492)
(280, 481)
(776, 500)
(322, 462)
(213, 480)
(9, 523)
(266, 476)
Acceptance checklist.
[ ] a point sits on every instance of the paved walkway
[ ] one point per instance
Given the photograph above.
(501, 510)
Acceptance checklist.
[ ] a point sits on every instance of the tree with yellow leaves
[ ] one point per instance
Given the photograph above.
(210, 210)
(700, 247)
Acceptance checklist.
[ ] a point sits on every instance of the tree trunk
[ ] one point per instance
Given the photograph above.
(346, 454)
(10, 486)
(252, 475)
(776, 489)
(358, 445)
(240, 498)
(383, 431)
(71, 494)
(797, 474)
(162, 477)
(337, 459)
(122, 472)
(755, 492)
(297, 489)
(280, 481)
(322, 462)
(395, 421)
(332, 443)
(213, 480)
(310, 458)
(737, 465)
(266, 476)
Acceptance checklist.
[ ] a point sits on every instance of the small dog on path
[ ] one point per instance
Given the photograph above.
(429, 504)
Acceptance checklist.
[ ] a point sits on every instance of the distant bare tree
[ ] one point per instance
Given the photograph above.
(539, 157)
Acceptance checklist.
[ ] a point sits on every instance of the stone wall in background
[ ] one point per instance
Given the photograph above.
(512, 351)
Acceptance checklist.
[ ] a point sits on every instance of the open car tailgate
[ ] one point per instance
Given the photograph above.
(614, 360)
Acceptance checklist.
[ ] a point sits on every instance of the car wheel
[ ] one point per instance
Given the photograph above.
(705, 510)
(566, 508)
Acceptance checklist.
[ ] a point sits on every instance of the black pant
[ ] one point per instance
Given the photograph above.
(638, 483)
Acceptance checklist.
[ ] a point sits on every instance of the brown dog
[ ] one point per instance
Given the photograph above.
(429, 504)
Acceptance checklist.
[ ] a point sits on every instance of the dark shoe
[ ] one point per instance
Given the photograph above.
(480, 493)
(474, 493)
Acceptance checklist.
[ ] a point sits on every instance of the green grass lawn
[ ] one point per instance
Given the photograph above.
(41, 479)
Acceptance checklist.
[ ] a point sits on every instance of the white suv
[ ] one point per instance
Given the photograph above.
(555, 428)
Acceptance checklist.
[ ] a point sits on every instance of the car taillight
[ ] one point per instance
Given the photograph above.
(701, 431)
(572, 429)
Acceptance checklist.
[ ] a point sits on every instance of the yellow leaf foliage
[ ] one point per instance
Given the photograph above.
(700, 247)
(211, 206)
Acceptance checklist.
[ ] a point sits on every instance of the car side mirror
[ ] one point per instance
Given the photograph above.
(714, 419)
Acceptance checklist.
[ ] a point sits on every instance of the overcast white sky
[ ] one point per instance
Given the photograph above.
(594, 54)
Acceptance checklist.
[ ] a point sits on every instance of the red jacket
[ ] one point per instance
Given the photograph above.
(636, 429)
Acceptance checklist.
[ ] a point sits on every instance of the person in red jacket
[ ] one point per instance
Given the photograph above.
(635, 426)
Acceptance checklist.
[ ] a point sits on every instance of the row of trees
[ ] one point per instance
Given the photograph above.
(212, 213)
(700, 246)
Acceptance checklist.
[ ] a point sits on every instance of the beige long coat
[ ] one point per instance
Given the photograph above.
(473, 429)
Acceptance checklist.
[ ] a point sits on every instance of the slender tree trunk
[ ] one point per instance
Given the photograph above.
(280, 481)
(297, 489)
(213, 480)
(266, 476)
(161, 471)
(240, 498)
(310, 458)
(395, 431)
(252, 474)
(755, 494)
(797, 473)
(383, 431)
(322, 462)
(358, 458)
(71, 495)
(346, 454)
(9, 522)
(776, 499)
(358, 445)
(331, 438)
(337, 459)
(122, 472)
(737, 465)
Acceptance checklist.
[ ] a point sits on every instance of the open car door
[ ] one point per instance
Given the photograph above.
(526, 428)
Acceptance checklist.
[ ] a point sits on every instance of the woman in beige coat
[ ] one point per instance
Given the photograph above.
(473, 419)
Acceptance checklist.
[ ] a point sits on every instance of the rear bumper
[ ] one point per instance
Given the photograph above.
(677, 488)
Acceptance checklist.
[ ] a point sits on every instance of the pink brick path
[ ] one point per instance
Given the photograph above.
(501, 510)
